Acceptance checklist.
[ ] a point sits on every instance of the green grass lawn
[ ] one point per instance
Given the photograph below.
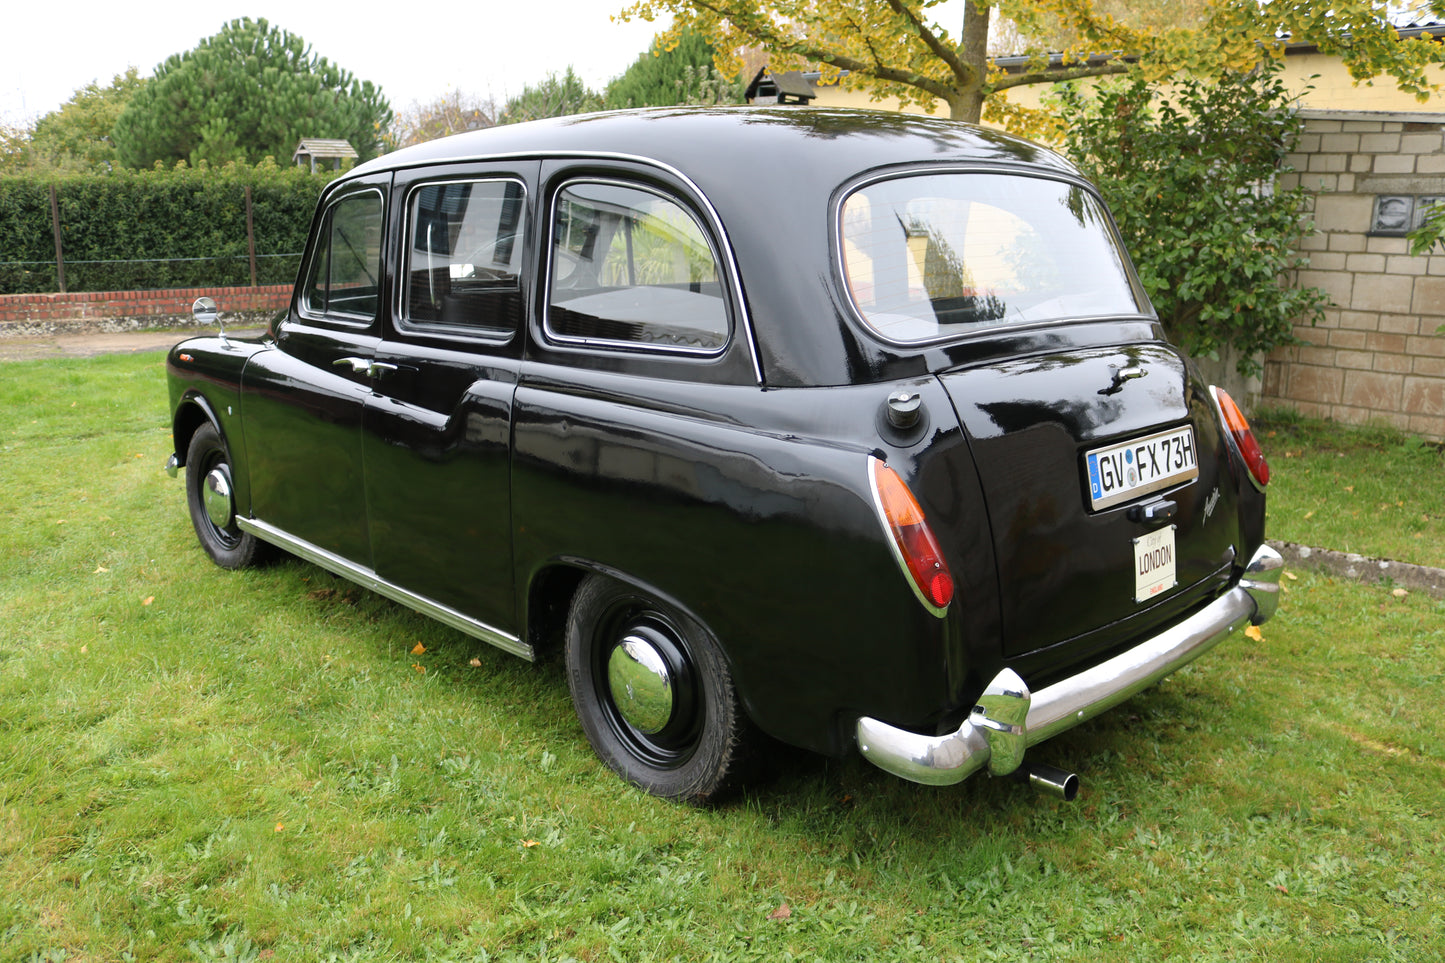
(1374, 491)
(202, 765)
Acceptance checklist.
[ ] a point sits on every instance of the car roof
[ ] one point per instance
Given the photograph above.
(840, 140)
(772, 174)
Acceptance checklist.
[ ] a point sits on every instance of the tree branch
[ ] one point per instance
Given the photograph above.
(792, 45)
(1060, 75)
(964, 72)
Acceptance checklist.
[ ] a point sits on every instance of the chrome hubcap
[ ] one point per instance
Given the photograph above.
(216, 495)
(642, 686)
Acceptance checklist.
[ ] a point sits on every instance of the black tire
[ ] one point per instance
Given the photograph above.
(699, 751)
(228, 546)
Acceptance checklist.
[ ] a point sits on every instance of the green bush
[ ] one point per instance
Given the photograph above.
(1190, 171)
(136, 230)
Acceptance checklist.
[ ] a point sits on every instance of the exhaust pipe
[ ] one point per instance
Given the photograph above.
(1050, 779)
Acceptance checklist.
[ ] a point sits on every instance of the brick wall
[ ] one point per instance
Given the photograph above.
(23, 315)
(1376, 356)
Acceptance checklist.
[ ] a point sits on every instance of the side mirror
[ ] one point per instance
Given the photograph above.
(205, 312)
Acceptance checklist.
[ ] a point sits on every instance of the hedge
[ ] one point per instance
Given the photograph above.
(161, 228)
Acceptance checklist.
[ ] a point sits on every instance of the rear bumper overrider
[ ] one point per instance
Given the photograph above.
(1009, 718)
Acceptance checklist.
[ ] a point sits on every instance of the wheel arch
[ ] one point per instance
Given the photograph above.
(193, 412)
(552, 588)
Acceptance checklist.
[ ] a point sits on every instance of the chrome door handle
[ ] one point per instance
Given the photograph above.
(365, 366)
(358, 365)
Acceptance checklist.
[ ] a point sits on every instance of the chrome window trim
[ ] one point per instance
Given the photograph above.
(368, 579)
(919, 170)
(548, 250)
(341, 318)
(714, 220)
(435, 329)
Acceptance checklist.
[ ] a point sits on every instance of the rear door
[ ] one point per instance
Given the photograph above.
(437, 439)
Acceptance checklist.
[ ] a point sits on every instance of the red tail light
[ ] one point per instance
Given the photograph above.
(1243, 438)
(914, 546)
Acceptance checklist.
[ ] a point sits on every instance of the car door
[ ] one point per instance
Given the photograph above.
(302, 403)
(437, 435)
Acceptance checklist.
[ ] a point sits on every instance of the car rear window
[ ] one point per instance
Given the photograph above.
(933, 256)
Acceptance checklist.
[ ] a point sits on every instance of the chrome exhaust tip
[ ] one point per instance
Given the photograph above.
(1050, 779)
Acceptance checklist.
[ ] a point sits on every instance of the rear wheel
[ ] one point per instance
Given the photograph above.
(653, 692)
(210, 496)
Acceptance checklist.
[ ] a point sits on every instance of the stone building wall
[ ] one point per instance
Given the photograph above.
(1377, 355)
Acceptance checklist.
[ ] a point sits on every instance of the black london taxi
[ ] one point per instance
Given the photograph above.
(849, 428)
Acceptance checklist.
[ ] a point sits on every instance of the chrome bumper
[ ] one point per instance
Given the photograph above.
(1009, 719)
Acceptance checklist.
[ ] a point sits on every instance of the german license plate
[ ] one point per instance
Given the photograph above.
(1153, 564)
(1129, 469)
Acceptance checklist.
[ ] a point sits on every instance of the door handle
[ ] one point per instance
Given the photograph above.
(358, 365)
(365, 366)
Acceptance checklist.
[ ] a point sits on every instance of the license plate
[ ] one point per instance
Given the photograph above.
(1153, 564)
(1122, 472)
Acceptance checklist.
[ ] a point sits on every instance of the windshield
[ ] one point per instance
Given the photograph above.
(932, 256)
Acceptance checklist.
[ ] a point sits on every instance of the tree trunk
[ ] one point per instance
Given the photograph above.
(973, 51)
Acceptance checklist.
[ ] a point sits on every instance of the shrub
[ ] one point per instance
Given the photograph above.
(159, 228)
(1190, 172)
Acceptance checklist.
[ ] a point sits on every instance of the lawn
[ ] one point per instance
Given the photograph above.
(1374, 491)
(202, 765)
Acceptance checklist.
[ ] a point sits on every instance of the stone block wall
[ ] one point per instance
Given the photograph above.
(1377, 355)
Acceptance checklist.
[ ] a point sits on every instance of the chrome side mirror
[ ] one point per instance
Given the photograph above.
(205, 312)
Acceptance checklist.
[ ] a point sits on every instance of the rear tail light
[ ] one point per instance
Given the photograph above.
(912, 541)
(1242, 438)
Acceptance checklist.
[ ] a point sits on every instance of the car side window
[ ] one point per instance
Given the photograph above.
(464, 257)
(631, 266)
(346, 265)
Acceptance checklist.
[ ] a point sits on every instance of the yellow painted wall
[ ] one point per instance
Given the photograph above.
(1332, 89)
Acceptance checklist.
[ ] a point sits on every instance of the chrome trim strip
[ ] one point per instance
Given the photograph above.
(368, 579)
(950, 758)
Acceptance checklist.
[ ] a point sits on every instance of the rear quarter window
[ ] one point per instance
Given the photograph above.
(926, 257)
(631, 266)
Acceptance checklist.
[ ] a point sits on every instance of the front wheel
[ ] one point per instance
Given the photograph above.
(211, 499)
(653, 692)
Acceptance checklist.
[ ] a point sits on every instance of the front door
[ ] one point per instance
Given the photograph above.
(302, 403)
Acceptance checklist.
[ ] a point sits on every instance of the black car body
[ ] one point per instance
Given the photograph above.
(836, 424)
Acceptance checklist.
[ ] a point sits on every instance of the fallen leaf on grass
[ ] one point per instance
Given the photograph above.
(148, 600)
(529, 843)
(1253, 632)
(781, 913)
(418, 649)
(280, 826)
(1291, 576)
(99, 569)
(419, 668)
